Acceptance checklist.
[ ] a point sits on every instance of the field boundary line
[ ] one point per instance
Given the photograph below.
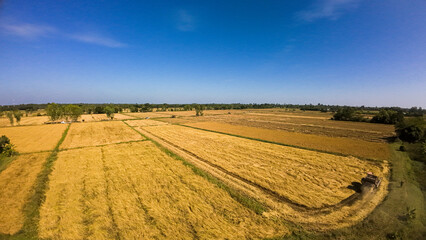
(245, 200)
(376, 161)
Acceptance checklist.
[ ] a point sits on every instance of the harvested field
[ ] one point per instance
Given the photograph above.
(16, 182)
(25, 121)
(145, 122)
(308, 178)
(34, 138)
(310, 125)
(345, 146)
(135, 191)
(119, 116)
(149, 114)
(98, 133)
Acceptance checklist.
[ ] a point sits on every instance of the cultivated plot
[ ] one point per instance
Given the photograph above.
(99, 133)
(34, 138)
(25, 121)
(16, 182)
(304, 177)
(135, 191)
(145, 122)
(347, 146)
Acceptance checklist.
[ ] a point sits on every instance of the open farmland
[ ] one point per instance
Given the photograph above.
(95, 194)
(15, 187)
(34, 138)
(98, 133)
(25, 121)
(145, 122)
(304, 177)
(346, 146)
(306, 122)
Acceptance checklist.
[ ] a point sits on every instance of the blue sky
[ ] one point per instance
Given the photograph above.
(346, 52)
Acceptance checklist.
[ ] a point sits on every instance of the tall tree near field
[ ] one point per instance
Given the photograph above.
(109, 112)
(73, 112)
(18, 115)
(199, 110)
(10, 116)
(54, 111)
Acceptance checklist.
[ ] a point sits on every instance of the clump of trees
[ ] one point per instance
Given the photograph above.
(9, 115)
(411, 130)
(388, 116)
(57, 111)
(6, 148)
(348, 114)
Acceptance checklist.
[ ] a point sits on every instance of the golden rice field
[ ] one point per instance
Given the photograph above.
(144, 122)
(304, 177)
(136, 191)
(98, 133)
(346, 146)
(316, 125)
(16, 183)
(25, 121)
(34, 138)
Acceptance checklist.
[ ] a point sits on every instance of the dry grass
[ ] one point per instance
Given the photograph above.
(345, 146)
(149, 114)
(135, 191)
(306, 177)
(25, 121)
(145, 122)
(316, 125)
(119, 116)
(34, 138)
(15, 186)
(98, 133)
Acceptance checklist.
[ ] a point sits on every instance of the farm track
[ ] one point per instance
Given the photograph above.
(237, 178)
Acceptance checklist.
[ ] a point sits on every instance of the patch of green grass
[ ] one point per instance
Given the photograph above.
(38, 195)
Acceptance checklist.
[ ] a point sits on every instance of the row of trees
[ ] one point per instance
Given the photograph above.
(57, 111)
(386, 116)
(14, 115)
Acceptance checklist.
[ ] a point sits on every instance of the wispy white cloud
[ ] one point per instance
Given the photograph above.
(27, 30)
(328, 9)
(98, 40)
(185, 21)
(36, 31)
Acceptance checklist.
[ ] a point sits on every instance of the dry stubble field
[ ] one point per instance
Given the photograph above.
(98, 133)
(304, 177)
(16, 182)
(34, 138)
(136, 191)
(100, 189)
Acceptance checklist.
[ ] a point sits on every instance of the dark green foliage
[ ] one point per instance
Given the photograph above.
(72, 111)
(348, 114)
(18, 116)
(6, 148)
(402, 148)
(411, 130)
(388, 116)
(109, 112)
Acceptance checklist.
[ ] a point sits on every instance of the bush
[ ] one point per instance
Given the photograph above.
(411, 130)
(6, 148)
(402, 148)
(348, 114)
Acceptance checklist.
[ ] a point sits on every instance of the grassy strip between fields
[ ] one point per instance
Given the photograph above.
(245, 200)
(37, 196)
(375, 161)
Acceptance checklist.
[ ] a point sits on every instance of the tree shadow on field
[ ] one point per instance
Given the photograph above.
(356, 186)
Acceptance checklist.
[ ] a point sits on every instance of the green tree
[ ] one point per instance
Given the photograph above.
(18, 115)
(73, 112)
(199, 110)
(54, 111)
(388, 117)
(411, 130)
(109, 112)
(10, 116)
